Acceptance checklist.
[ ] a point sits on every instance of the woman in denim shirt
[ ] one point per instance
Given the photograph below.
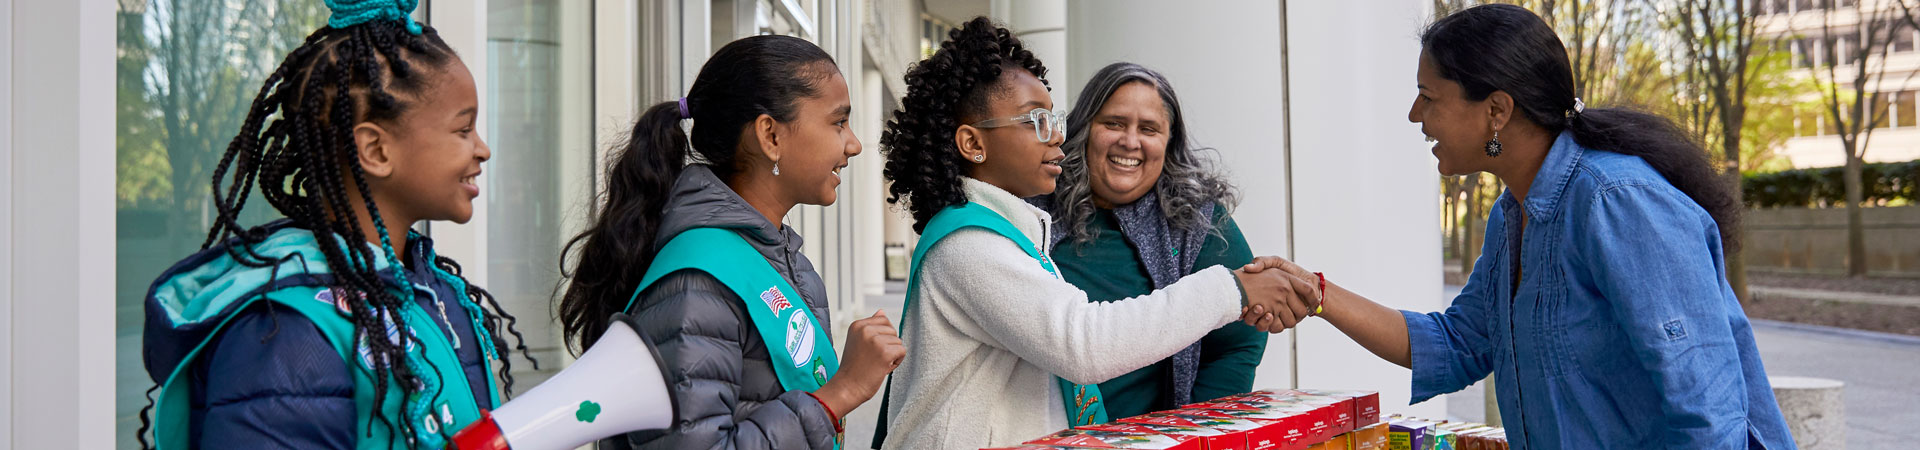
(1600, 301)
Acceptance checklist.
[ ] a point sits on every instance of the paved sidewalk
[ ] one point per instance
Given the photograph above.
(1836, 296)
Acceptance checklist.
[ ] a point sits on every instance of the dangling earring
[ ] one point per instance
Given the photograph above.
(776, 168)
(1493, 146)
(980, 158)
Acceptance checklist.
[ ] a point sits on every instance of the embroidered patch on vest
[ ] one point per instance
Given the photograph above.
(799, 338)
(775, 300)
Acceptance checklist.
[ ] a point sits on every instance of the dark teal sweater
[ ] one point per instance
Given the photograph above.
(1109, 269)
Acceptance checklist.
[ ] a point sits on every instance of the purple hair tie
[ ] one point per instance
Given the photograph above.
(684, 114)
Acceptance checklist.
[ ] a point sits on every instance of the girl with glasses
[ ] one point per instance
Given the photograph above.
(1005, 350)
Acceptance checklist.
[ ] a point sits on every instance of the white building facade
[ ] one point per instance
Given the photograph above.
(1823, 34)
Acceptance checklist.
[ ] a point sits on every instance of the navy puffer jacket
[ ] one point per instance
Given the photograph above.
(269, 379)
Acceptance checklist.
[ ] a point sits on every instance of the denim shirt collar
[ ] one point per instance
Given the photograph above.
(1550, 185)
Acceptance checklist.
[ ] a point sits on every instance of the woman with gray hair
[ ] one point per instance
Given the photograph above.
(1137, 208)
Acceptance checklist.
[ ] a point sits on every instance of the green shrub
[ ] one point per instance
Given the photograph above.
(1823, 187)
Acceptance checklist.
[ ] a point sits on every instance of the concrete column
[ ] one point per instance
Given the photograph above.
(1355, 196)
(58, 304)
(1815, 412)
(870, 189)
(1042, 26)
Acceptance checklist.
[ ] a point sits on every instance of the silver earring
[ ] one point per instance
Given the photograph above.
(776, 168)
(1493, 146)
(980, 158)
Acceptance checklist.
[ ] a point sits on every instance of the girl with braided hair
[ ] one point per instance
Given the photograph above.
(335, 327)
(1004, 349)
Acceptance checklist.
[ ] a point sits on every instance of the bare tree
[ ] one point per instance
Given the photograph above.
(1849, 62)
(1717, 38)
(198, 65)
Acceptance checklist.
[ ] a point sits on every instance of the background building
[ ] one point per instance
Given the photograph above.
(1824, 34)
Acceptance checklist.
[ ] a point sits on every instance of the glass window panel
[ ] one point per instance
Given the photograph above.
(1881, 111)
(1903, 111)
(186, 70)
(539, 125)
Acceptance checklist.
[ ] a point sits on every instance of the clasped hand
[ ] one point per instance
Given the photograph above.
(1277, 300)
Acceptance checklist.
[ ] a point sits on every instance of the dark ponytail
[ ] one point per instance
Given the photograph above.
(745, 79)
(1507, 48)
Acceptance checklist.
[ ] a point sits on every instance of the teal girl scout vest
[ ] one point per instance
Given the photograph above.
(1082, 401)
(798, 348)
(444, 407)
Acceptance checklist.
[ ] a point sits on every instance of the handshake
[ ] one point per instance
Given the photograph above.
(1280, 294)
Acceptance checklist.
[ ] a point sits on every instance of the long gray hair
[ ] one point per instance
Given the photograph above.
(1188, 186)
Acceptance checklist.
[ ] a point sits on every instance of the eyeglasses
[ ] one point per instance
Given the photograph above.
(1046, 123)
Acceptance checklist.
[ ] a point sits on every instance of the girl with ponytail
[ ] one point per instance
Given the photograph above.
(1600, 301)
(335, 327)
(693, 245)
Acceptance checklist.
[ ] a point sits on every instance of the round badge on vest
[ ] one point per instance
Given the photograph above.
(799, 338)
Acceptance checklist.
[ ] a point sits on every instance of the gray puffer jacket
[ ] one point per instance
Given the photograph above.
(729, 396)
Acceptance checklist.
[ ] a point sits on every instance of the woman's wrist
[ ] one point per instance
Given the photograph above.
(1242, 286)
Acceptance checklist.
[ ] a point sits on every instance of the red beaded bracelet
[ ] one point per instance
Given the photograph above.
(1321, 306)
(839, 425)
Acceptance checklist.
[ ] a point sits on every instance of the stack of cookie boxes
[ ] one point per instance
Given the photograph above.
(1304, 419)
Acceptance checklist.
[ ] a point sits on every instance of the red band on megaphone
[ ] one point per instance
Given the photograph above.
(484, 434)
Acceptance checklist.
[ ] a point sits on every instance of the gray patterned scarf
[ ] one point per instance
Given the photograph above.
(1169, 253)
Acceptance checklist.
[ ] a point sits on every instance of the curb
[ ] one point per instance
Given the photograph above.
(1836, 331)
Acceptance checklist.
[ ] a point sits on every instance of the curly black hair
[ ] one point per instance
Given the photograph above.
(942, 91)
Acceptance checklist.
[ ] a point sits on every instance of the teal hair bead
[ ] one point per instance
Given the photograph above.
(348, 13)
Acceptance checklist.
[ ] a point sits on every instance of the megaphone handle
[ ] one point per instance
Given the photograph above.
(483, 434)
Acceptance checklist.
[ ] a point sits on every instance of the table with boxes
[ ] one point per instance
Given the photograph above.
(1277, 419)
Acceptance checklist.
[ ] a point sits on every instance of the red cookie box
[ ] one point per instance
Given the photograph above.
(1340, 411)
(1305, 423)
(1289, 429)
(1210, 438)
(1366, 404)
(1363, 406)
(1030, 447)
(1259, 434)
(1119, 436)
(1241, 433)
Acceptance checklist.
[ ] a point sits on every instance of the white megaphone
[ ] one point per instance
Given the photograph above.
(619, 386)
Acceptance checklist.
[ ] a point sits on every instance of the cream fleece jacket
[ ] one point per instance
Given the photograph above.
(989, 328)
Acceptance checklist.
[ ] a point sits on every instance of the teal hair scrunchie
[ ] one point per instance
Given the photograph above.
(348, 13)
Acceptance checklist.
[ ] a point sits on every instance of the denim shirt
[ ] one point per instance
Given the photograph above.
(1623, 332)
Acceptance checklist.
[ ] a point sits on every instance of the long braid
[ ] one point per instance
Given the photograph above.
(296, 147)
(385, 331)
